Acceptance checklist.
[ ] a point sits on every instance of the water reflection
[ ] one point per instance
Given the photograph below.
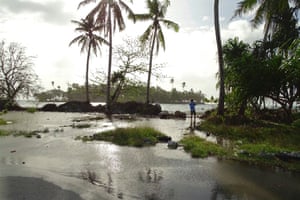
(109, 155)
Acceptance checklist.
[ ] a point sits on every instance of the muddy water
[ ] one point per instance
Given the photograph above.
(58, 167)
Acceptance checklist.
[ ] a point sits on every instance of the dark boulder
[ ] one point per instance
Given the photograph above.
(132, 107)
(76, 106)
(179, 114)
(49, 107)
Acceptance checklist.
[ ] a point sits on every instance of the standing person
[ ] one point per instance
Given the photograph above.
(193, 112)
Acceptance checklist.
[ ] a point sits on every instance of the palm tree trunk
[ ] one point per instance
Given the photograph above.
(220, 59)
(108, 99)
(87, 74)
(150, 66)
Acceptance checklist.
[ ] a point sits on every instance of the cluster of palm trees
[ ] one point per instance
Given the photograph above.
(102, 21)
(280, 18)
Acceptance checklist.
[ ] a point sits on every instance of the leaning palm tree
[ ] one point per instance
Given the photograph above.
(88, 41)
(108, 16)
(156, 14)
(220, 59)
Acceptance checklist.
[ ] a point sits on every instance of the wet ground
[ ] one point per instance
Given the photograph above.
(57, 166)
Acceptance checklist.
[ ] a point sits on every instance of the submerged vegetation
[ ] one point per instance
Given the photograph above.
(200, 148)
(257, 142)
(137, 137)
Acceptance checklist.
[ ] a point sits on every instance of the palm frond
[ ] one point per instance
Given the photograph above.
(85, 2)
(244, 7)
(146, 35)
(143, 17)
(128, 10)
(118, 17)
(75, 40)
(161, 39)
(170, 24)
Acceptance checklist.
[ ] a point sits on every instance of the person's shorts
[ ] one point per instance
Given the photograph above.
(193, 112)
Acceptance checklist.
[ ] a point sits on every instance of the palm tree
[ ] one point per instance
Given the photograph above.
(172, 82)
(265, 12)
(183, 86)
(108, 17)
(88, 41)
(156, 14)
(220, 59)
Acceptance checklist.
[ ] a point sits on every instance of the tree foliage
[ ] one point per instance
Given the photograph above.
(154, 33)
(16, 73)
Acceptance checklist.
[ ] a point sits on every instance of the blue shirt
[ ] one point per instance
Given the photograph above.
(192, 106)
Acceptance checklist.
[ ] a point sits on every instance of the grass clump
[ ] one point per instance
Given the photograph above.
(137, 137)
(200, 148)
(31, 110)
(4, 133)
(2, 122)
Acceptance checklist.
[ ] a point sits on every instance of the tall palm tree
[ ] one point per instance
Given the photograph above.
(220, 59)
(88, 41)
(108, 16)
(156, 14)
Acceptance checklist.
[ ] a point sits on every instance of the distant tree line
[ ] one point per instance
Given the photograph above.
(131, 92)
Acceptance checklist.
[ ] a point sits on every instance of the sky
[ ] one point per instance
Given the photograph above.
(44, 28)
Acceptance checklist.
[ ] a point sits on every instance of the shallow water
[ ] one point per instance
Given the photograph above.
(100, 170)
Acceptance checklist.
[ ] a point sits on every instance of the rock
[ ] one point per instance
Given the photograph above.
(288, 156)
(172, 144)
(132, 107)
(49, 107)
(76, 106)
(179, 114)
(164, 138)
(164, 115)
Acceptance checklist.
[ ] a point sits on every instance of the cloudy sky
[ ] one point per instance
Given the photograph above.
(44, 28)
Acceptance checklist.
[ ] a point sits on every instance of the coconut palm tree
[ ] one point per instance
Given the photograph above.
(172, 82)
(108, 16)
(88, 41)
(156, 14)
(220, 59)
(265, 10)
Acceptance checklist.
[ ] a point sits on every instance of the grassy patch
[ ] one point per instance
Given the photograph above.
(137, 137)
(4, 133)
(2, 122)
(200, 148)
(278, 135)
(259, 142)
(31, 110)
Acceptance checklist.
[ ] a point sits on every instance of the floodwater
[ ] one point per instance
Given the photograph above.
(57, 166)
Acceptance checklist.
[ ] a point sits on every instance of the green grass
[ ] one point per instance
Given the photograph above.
(4, 133)
(31, 110)
(2, 122)
(258, 142)
(200, 148)
(137, 137)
